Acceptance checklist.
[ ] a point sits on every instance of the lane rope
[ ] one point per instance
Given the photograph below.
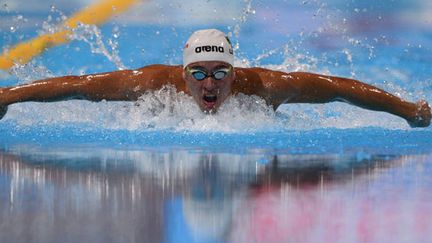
(95, 14)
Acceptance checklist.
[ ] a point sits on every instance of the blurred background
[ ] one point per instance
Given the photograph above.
(155, 31)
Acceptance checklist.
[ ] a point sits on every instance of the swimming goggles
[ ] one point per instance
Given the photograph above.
(199, 74)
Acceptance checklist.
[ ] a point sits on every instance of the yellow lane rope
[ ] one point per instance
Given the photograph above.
(94, 14)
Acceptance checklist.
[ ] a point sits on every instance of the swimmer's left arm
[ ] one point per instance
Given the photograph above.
(300, 87)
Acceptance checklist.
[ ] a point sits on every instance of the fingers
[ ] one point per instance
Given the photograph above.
(425, 112)
(423, 115)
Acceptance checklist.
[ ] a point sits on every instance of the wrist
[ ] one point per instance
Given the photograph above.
(411, 112)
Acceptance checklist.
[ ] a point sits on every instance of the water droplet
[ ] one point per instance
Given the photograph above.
(12, 29)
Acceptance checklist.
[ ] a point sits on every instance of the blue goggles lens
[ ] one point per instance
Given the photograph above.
(217, 75)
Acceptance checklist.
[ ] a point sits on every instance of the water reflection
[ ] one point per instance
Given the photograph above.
(105, 195)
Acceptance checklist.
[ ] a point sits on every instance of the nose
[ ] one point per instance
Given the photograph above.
(209, 83)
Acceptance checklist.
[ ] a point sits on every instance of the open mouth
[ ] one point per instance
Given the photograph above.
(209, 100)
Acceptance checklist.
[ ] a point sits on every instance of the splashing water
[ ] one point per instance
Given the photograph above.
(167, 109)
(92, 35)
(157, 110)
(89, 34)
(235, 30)
(29, 72)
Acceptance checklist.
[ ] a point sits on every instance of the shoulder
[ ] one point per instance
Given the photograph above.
(273, 85)
(262, 78)
(247, 81)
(251, 71)
(161, 69)
(157, 75)
(265, 75)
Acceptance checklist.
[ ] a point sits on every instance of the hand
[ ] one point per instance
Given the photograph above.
(422, 116)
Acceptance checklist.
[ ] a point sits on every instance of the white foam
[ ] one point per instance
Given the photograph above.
(168, 109)
(163, 109)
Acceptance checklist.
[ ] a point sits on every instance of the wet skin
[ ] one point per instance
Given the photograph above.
(274, 86)
(209, 93)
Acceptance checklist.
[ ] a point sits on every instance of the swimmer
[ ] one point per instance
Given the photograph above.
(209, 76)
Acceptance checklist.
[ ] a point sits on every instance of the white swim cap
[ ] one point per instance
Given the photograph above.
(208, 45)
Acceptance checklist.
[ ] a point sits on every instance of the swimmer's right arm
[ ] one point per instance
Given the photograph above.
(125, 85)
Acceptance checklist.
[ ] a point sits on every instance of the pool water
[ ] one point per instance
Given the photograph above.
(97, 194)
(159, 170)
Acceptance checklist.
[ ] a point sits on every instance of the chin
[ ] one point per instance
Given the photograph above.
(209, 107)
(209, 110)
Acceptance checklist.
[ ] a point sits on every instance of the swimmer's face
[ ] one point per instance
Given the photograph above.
(209, 83)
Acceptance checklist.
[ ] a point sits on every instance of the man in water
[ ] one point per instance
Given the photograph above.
(208, 75)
